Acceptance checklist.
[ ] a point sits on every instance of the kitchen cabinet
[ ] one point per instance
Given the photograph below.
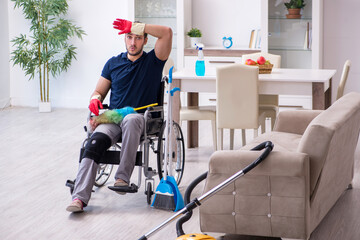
(296, 40)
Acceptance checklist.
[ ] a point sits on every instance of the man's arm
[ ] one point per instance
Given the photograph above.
(164, 40)
(98, 95)
(102, 88)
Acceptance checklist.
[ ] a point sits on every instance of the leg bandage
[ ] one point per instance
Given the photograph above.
(96, 146)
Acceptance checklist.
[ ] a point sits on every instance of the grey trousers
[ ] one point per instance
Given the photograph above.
(131, 129)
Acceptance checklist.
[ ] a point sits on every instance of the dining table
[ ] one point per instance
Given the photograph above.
(281, 81)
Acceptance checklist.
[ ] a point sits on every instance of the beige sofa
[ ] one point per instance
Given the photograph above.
(289, 193)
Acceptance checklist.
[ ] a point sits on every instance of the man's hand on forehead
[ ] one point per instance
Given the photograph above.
(126, 26)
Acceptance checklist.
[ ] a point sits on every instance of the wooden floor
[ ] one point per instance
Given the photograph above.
(39, 152)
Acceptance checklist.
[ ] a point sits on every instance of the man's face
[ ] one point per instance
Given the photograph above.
(134, 44)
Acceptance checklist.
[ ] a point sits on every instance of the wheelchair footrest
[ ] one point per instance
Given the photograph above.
(70, 183)
(128, 189)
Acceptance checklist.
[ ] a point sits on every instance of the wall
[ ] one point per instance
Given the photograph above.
(4, 56)
(341, 35)
(234, 18)
(73, 88)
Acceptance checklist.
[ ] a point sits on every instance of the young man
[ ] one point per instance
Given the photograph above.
(134, 78)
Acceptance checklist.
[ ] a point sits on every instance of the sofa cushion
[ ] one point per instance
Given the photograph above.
(282, 141)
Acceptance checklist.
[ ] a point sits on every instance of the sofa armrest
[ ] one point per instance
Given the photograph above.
(295, 121)
(271, 200)
(277, 163)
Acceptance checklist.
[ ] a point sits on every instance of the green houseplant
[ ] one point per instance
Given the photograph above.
(293, 4)
(294, 7)
(194, 32)
(47, 51)
(195, 36)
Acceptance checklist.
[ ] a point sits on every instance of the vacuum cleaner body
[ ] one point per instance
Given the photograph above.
(195, 236)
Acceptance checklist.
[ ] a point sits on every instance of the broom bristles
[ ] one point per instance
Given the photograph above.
(164, 201)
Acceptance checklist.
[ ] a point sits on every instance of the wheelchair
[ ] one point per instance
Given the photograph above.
(153, 138)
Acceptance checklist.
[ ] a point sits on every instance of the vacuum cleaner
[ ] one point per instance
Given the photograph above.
(186, 212)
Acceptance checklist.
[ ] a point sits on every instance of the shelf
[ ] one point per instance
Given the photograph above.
(289, 49)
(218, 51)
(291, 19)
(147, 17)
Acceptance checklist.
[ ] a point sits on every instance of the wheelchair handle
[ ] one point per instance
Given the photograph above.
(174, 90)
(170, 74)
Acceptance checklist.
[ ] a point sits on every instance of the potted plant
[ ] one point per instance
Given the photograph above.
(195, 36)
(47, 51)
(294, 7)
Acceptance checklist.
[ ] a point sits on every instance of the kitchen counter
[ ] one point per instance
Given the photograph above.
(220, 52)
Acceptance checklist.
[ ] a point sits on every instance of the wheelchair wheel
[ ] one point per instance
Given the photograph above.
(178, 154)
(149, 192)
(102, 174)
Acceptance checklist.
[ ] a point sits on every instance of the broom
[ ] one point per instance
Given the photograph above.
(167, 194)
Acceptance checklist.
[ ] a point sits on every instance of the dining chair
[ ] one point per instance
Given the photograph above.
(268, 103)
(343, 79)
(196, 113)
(237, 105)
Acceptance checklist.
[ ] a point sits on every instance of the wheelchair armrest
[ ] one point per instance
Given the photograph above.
(149, 110)
(155, 109)
(105, 106)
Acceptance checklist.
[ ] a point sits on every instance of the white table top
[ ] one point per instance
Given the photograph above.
(277, 74)
(282, 81)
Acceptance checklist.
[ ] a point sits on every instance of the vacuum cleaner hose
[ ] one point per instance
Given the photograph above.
(187, 196)
(268, 148)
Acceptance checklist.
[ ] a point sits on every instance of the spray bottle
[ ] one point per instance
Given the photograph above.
(200, 63)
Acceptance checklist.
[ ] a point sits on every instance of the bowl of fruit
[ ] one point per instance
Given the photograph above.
(264, 65)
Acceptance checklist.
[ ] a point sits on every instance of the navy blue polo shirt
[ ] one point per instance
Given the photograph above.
(133, 84)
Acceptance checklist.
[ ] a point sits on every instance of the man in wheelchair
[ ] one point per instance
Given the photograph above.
(134, 78)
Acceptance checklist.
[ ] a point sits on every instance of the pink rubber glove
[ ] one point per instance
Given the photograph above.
(94, 106)
(123, 25)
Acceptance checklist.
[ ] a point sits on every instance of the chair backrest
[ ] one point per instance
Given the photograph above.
(274, 59)
(344, 76)
(237, 105)
(169, 63)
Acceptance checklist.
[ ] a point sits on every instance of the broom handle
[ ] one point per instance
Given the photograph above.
(170, 133)
(167, 125)
(171, 129)
(166, 137)
(171, 143)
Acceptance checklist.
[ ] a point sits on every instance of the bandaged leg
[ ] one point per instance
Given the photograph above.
(99, 142)
(96, 146)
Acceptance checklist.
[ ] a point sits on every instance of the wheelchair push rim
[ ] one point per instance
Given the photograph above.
(102, 174)
(178, 153)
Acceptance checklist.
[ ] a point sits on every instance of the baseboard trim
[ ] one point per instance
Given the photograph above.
(5, 102)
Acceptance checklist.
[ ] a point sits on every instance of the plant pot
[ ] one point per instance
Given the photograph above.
(294, 13)
(44, 107)
(194, 40)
